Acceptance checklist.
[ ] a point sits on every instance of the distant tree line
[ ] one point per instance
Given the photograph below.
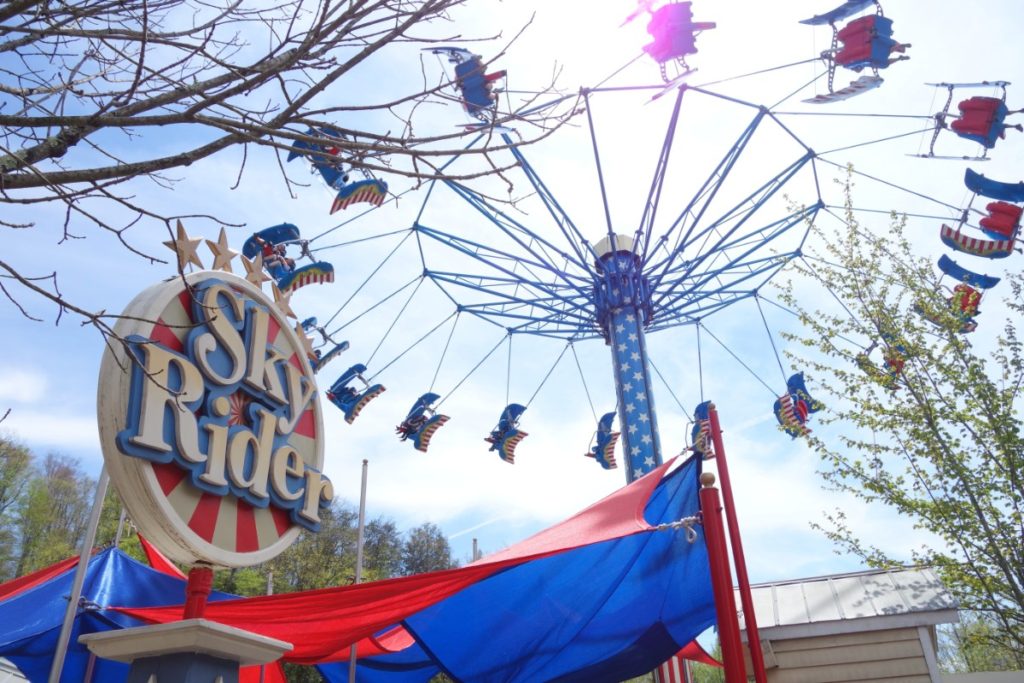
(45, 503)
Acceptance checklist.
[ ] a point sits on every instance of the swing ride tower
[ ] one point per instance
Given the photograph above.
(710, 235)
(623, 306)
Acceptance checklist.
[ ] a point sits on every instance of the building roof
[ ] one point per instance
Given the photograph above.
(847, 603)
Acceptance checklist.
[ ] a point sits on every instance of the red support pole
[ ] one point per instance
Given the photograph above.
(721, 581)
(200, 582)
(742, 580)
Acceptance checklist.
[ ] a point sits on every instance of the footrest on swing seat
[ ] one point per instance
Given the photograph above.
(422, 439)
(370, 394)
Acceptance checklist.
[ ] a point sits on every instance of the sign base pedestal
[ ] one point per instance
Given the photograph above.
(189, 651)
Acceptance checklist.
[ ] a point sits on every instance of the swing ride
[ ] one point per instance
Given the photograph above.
(864, 43)
(981, 119)
(529, 270)
(543, 276)
(579, 257)
(325, 156)
(477, 93)
(271, 246)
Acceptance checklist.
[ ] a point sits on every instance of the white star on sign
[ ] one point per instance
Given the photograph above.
(643, 417)
(632, 336)
(646, 438)
(630, 408)
(628, 386)
(620, 328)
(630, 317)
(638, 473)
(638, 376)
(635, 450)
(636, 356)
(632, 429)
(649, 461)
(622, 347)
(640, 397)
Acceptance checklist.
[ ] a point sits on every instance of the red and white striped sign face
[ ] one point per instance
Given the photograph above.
(211, 424)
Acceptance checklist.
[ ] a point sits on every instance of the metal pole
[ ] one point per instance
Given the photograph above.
(476, 550)
(742, 580)
(76, 586)
(359, 563)
(120, 527)
(721, 581)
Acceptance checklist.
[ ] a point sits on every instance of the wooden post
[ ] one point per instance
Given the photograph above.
(721, 581)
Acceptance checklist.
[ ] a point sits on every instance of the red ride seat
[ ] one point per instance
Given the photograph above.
(1003, 218)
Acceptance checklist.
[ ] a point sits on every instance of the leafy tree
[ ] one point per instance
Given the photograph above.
(975, 644)
(52, 514)
(702, 673)
(98, 96)
(15, 464)
(319, 560)
(426, 550)
(939, 441)
(382, 550)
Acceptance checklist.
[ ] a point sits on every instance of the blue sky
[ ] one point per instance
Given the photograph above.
(48, 371)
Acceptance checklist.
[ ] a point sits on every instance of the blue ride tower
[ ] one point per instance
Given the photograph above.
(623, 305)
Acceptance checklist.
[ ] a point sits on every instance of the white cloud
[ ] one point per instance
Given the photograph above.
(54, 430)
(22, 386)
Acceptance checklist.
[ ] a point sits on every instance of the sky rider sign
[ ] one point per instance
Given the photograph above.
(210, 422)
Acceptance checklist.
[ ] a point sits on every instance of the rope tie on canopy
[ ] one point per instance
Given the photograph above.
(686, 523)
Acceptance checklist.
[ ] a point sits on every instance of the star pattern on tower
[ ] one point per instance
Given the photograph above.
(638, 430)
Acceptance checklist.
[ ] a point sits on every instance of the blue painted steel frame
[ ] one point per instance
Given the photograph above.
(534, 286)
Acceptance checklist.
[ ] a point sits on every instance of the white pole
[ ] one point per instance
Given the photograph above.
(120, 527)
(76, 587)
(359, 563)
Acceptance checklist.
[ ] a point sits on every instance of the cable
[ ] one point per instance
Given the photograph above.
(379, 303)
(762, 71)
(368, 278)
(444, 352)
(586, 389)
(361, 239)
(845, 167)
(468, 374)
(410, 347)
(874, 142)
(700, 364)
(740, 361)
(395, 321)
(508, 370)
(543, 381)
(771, 339)
(663, 381)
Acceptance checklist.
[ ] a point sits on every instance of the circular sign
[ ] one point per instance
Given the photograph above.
(210, 422)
